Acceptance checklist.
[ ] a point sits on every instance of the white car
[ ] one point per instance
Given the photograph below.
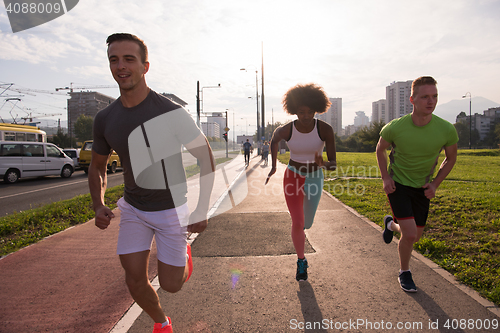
(32, 159)
(74, 154)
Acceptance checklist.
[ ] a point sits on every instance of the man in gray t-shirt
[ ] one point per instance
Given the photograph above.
(148, 131)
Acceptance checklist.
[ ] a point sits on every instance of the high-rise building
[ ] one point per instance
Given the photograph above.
(379, 111)
(334, 115)
(211, 129)
(361, 120)
(86, 103)
(397, 96)
(218, 117)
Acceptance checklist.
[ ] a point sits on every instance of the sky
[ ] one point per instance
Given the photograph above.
(352, 48)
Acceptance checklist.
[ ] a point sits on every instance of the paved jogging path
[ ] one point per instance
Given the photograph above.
(243, 279)
(244, 276)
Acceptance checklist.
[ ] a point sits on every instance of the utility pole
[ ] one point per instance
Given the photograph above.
(262, 97)
(198, 103)
(226, 135)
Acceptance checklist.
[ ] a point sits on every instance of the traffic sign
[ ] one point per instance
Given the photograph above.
(226, 129)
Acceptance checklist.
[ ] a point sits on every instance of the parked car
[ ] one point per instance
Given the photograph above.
(74, 154)
(86, 157)
(32, 159)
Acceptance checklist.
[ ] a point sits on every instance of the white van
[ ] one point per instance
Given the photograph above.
(32, 159)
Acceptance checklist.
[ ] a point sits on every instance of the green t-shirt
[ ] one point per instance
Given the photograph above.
(415, 149)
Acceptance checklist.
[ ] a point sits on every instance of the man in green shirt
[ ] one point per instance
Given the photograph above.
(417, 140)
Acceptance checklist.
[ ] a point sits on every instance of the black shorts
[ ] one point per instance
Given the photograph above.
(409, 203)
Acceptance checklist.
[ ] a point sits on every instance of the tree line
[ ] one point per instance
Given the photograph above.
(364, 140)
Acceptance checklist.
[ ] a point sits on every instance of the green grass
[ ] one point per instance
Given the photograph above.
(476, 165)
(21, 229)
(18, 230)
(195, 169)
(462, 234)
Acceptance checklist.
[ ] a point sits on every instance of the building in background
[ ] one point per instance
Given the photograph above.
(397, 96)
(349, 130)
(484, 123)
(361, 120)
(219, 118)
(211, 129)
(334, 115)
(379, 112)
(86, 103)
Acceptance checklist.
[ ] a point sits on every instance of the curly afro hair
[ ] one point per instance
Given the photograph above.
(310, 95)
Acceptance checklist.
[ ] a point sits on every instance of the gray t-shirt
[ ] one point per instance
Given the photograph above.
(148, 138)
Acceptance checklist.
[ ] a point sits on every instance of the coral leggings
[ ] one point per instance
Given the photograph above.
(302, 194)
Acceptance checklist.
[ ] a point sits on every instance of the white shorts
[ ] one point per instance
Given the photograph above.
(169, 227)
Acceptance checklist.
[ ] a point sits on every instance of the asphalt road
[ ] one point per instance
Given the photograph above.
(35, 192)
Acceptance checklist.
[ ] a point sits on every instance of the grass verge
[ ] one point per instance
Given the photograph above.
(462, 234)
(24, 228)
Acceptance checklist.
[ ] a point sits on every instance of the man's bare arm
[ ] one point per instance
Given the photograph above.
(389, 185)
(200, 149)
(444, 171)
(97, 179)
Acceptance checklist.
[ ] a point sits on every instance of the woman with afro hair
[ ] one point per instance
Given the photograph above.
(303, 180)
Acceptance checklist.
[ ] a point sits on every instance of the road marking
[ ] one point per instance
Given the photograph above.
(43, 189)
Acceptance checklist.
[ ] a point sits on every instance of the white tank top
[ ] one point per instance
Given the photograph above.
(303, 145)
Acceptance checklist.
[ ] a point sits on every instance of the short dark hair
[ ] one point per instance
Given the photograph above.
(118, 37)
(310, 95)
(422, 81)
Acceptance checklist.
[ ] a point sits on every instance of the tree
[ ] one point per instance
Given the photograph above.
(463, 134)
(216, 143)
(369, 136)
(351, 142)
(83, 128)
(339, 144)
(464, 131)
(269, 131)
(62, 140)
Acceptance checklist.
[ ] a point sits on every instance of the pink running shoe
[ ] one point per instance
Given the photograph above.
(166, 329)
(190, 262)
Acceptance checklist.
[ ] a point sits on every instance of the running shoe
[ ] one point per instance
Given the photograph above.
(166, 329)
(406, 282)
(301, 270)
(388, 234)
(190, 262)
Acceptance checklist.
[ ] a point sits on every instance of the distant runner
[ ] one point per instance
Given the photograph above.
(247, 146)
(265, 152)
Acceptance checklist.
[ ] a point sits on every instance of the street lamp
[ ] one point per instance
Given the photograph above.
(198, 108)
(246, 125)
(257, 99)
(226, 130)
(470, 118)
